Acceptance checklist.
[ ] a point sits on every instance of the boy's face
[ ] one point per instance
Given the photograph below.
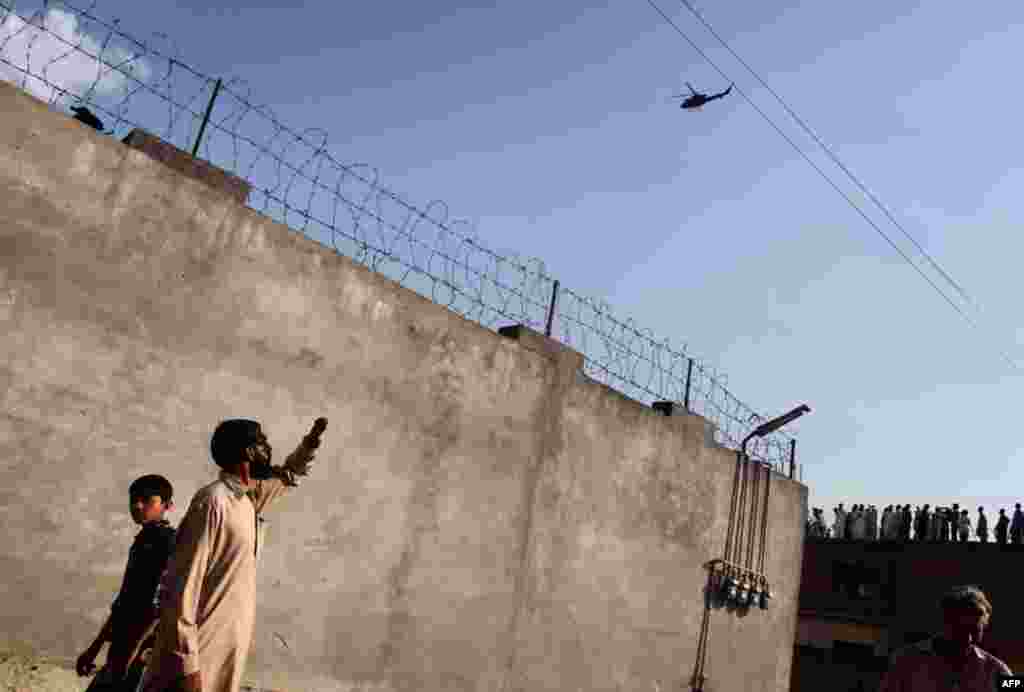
(146, 509)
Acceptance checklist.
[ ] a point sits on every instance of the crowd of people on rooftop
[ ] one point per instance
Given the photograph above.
(922, 524)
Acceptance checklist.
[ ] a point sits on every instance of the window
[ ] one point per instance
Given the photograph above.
(914, 637)
(857, 581)
(850, 653)
(811, 653)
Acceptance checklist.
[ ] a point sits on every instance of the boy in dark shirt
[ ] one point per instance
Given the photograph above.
(134, 612)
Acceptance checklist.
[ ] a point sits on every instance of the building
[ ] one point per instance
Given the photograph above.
(860, 600)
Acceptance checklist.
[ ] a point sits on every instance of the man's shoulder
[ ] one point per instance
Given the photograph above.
(926, 649)
(212, 494)
(995, 663)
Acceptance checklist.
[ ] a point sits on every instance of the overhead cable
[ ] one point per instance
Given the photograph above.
(820, 172)
(807, 128)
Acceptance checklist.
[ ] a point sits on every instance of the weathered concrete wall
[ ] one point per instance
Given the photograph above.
(188, 165)
(481, 517)
(631, 507)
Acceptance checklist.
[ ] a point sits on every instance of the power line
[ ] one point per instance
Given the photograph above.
(822, 173)
(803, 124)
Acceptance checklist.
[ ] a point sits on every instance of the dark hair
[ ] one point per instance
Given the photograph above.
(148, 486)
(230, 438)
(967, 598)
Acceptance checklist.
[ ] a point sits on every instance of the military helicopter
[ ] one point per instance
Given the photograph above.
(695, 99)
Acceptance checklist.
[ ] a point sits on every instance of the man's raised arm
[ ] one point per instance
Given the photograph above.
(295, 464)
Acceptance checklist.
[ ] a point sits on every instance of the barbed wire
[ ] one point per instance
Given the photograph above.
(54, 54)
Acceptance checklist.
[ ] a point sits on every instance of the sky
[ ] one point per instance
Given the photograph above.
(550, 126)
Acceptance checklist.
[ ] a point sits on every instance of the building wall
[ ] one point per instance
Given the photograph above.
(481, 515)
(845, 667)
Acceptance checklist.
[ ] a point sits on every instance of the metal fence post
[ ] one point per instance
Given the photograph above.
(551, 310)
(206, 119)
(792, 459)
(689, 377)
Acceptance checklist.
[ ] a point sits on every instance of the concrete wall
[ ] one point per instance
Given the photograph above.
(481, 517)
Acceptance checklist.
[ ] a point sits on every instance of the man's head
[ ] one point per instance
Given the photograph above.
(149, 498)
(1002, 511)
(1018, 505)
(965, 615)
(981, 510)
(240, 447)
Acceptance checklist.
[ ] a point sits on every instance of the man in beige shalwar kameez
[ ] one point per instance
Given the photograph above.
(208, 597)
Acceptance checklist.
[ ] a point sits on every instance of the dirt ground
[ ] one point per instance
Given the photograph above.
(21, 673)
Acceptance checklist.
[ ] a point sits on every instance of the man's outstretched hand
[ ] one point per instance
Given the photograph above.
(312, 440)
(86, 663)
(298, 462)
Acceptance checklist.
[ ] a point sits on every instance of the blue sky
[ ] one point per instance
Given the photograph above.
(549, 125)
